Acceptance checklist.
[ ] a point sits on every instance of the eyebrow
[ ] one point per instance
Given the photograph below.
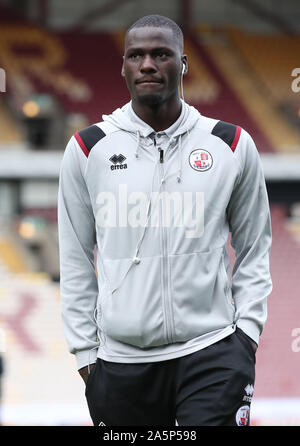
(155, 49)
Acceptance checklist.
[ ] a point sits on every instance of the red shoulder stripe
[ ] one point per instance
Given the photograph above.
(81, 143)
(236, 138)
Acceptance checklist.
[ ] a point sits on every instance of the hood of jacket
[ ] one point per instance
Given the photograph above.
(125, 119)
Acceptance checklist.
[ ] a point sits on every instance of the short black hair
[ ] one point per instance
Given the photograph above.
(159, 21)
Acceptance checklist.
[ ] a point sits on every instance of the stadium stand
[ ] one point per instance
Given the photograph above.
(272, 58)
(10, 133)
(68, 66)
(272, 128)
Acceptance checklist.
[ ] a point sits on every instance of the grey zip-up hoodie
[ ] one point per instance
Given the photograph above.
(156, 209)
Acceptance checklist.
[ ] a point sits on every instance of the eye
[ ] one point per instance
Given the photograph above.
(134, 56)
(161, 55)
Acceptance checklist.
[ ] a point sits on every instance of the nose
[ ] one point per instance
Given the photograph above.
(148, 65)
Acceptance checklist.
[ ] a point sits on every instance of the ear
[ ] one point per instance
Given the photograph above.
(184, 60)
(122, 70)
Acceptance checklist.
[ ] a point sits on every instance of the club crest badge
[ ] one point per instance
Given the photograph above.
(200, 160)
(242, 416)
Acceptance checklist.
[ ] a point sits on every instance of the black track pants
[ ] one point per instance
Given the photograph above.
(211, 387)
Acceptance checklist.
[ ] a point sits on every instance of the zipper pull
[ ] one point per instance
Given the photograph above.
(161, 155)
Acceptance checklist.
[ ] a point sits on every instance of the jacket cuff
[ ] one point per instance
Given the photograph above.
(85, 357)
(250, 328)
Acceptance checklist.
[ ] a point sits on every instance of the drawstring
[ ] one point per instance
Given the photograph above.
(137, 143)
(179, 160)
(136, 260)
(138, 136)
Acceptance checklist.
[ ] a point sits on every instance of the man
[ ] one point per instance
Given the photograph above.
(159, 333)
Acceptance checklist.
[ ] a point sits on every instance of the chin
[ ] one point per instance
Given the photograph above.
(150, 99)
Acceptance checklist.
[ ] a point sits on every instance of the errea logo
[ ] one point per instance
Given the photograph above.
(249, 389)
(118, 161)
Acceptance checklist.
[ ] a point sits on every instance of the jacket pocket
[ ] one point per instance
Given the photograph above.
(199, 285)
(133, 313)
(227, 287)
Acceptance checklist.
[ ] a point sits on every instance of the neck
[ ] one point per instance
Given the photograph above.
(160, 116)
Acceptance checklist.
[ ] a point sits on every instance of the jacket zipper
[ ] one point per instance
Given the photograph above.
(166, 300)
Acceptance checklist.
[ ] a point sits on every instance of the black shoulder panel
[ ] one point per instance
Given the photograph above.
(88, 137)
(229, 133)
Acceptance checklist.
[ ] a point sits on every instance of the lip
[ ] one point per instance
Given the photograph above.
(148, 81)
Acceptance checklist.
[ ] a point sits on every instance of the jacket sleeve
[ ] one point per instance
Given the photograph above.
(77, 239)
(249, 219)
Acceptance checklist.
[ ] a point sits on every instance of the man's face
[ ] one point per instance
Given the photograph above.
(152, 65)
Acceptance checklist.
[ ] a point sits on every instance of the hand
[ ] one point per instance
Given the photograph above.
(254, 345)
(250, 340)
(84, 372)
